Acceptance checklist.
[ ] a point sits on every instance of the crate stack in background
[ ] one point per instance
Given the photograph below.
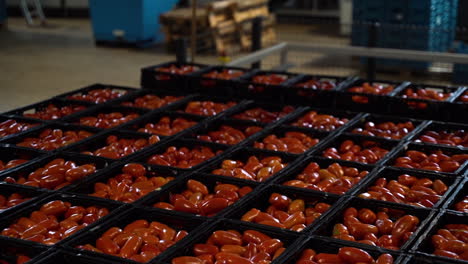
(460, 71)
(414, 24)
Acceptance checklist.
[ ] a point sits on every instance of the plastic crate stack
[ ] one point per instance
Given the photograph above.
(211, 164)
(417, 25)
(460, 71)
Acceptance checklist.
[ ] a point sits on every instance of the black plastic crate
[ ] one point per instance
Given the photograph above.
(422, 108)
(317, 90)
(153, 78)
(365, 142)
(459, 194)
(83, 118)
(252, 88)
(459, 105)
(186, 248)
(382, 120)
(91, 185)
(269, 113)
(357, 101)
(214, 84)
(424, 243)
(281, 131)
(316, 118)
(65, 256)
(142, 124)
(75, 200)
(136, 99)
(394, 211)
(38, 108)
(36, 132)
(299, 168)
(12, 126)
(260, 201)
(83, 91)
(33, 167)
(14, 251)
(8, 153)
(217, 149)
(332, 246)
(208, 131)
(427, 149)
(244, 154)
(423, 258)
(393, 173)
(440, 127)
(172, 219)
(101, 141)
(31, 194)
(186, 106)
(209, 181)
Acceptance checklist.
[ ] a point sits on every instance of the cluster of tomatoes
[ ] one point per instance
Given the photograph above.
(229, 135)
(376, 228)
(292, 141)
(107, 120)
(183, 157)
(254, 169)
(452, 138)
(333, 179)
(55, 175)
(52, 112)
(20, 259)
(366, 152)
(315, 84)
(207, 108)
(451, 241)
(117, 148)
(152, 101)
(10, 127)
(167, 126)
(259, 114)
(98, 95)
(436, 161)
(11, 164)
(139, 241)
(345, 255)
(180, 70)
(462, 206)
(54, 221)
(407, 189)
(388, 130)
(51, 139)
(133, 183)
(201, 200)
(320, 121)
(367, 88)
(283, 212)
(225, 74)
(12, 200)
(231, 246)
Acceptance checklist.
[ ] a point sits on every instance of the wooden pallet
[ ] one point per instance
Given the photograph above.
(223, 27)
(268, 34)
(249, 9)
(228, 23)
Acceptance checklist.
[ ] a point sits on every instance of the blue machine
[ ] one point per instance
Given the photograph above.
(3, 14)
(128, 21)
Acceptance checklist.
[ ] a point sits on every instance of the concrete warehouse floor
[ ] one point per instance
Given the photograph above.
(37, 63)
